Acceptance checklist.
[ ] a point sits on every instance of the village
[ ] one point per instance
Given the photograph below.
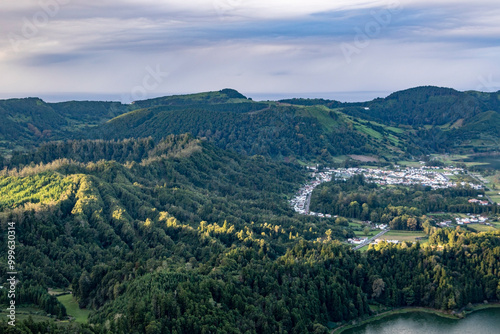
(434, 177)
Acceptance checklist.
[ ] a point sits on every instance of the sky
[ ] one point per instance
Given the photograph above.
(347, 50)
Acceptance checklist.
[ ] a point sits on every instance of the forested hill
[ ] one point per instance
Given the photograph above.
(223, 96)
(420, 106)
(425, 106)
(434, 118)
(415, 121)
(28, 122)
(269, 129)
(412, 122)
(186, 208)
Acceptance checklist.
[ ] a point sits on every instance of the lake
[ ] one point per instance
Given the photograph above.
(491, 161)
(481, 322)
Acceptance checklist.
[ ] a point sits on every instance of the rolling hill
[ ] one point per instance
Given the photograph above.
(412, 122)
(249, 128)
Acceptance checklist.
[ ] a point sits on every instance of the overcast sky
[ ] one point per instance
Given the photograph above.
(267, 49)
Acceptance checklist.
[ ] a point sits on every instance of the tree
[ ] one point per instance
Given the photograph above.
(378, 287)
(427, 227)
(341, 221)
(412, 223)
(409, 296)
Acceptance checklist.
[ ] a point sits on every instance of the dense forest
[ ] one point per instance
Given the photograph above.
(31, 121)
(276, 131)
(311, 286)
(183, 237)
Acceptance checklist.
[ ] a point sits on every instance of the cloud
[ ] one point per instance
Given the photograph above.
(253, 45)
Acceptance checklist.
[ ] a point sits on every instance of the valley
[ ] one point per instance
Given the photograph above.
(212, 212)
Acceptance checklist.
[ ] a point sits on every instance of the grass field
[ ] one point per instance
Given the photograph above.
(56, 292)
(353, 222)
(369, 131)
(494, 184)
(495, 197)
(463, 178)
(403, 235)
(321, 113)
(72, 308)
(362, 234)
(482, 228)
(450, 158)
(409, 163)
(339, 158)
(24, 312)
(358, 227)
(364, 249)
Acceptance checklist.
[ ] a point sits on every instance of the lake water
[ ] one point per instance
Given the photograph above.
(481, 322)
(492, 161)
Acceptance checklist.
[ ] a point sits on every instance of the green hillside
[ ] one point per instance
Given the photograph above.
(433, 119)
(424, 106)
(28, 122)
(412, 122)
(272, 130)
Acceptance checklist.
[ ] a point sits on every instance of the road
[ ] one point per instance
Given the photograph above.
(478, 178)
(308, 203)
(371, 239)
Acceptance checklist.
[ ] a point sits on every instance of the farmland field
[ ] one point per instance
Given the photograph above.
(403, 235)
(482, 228)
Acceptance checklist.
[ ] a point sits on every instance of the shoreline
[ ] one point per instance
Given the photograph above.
(403, 310)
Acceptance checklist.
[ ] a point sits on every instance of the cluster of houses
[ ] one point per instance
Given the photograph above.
(359, 241)
(376, 241)
(356, 241)
(321, 215)
(381, 226)
(471, 219)
(478, 201)
(427, 176)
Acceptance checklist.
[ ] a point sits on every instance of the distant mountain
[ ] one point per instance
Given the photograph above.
(223, 96)
(415, 121)
(424, 106)
(420, 106)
